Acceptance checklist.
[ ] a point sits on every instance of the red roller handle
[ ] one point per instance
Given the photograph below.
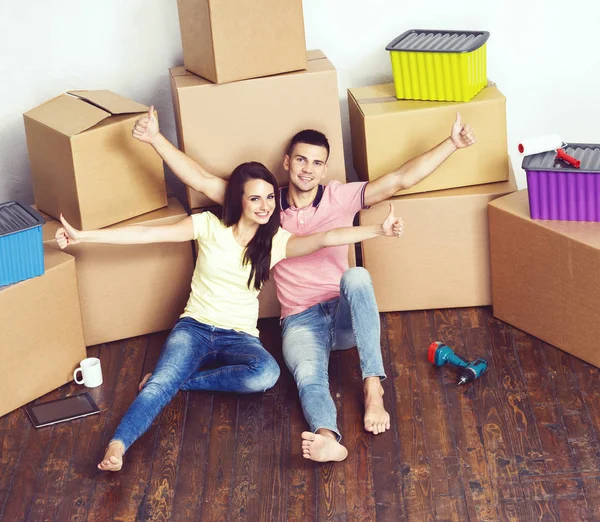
(561, 154)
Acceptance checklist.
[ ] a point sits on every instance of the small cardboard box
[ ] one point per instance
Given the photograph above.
(546, 276)
(268, 304)
(442, 261)
(228, 40)
(221, 126)
(130, 290)
(42, 338)
(387, 132)
(85, 162)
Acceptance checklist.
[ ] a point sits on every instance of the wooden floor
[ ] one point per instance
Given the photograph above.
(519, 444)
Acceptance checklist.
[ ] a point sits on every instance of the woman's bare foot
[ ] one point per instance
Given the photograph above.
(377, 420)
(113, 458)
(322, 447)
(144, 381)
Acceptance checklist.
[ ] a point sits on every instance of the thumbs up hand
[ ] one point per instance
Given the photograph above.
(146, 127)
(462, 135)
(392, 226)
(67, 235)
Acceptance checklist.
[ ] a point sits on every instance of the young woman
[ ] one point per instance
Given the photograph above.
(218, 324)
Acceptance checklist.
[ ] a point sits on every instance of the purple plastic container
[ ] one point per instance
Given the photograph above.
(559, 191)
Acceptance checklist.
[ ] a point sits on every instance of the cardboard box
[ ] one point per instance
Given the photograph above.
(442, 261)
(268, 304)
(222, 126)
(130, 290)
(42, 338)
(228, 40)
(86, 164)
(546, 276)
(387, 132)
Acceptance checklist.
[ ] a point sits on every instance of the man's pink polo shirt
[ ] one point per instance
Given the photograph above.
(305, 281)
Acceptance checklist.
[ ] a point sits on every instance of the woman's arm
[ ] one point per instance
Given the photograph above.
(303, 245)
(189, 171)
(131, 235)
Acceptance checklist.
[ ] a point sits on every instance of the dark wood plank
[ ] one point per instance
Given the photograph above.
(274, 456)
(163, 479)
(191, 480)
(28, 476)
(358, 466)
(219, 472)
(56, 472)
(579, 428)
(89, 444)
(302, 473)
(497, 418)
(592, 494)
(519, 413)
(245, 502)
(416, 471)
(554, 453)
(14, 431)
(571, 500)
(386, 449)
(447, 488)
(588, 378)
(464, 419)
(541, 499)
(121, 494)
(331, 484)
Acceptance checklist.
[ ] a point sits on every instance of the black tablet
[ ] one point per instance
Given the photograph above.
(61, 410)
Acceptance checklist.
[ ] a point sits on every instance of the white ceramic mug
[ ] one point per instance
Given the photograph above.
(91, 371)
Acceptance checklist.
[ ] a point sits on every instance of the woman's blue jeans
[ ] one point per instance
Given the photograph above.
(245, 367)
(338, 324)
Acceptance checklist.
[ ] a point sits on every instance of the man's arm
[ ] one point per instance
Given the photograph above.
(417, 169)
(303, 245)
(185, 168)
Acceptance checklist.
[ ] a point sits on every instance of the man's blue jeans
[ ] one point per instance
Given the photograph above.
(246, 367)
(338, 324)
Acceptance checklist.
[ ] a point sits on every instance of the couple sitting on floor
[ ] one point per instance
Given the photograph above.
(300, 234)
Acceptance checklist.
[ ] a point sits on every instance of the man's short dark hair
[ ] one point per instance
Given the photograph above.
(310, 137)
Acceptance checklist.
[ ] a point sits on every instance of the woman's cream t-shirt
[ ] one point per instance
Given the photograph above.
(220, 295)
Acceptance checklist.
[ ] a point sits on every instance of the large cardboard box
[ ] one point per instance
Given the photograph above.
(442, 261)
(130, 290)
(546, 276)
(268, 304)
(222, 126)
(387, 132)
(42, 339)
(228, 40)
(85, 162)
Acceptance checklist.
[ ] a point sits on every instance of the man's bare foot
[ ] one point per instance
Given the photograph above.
(144, 381)
(377, 420)
(322, 448)
(113, 458)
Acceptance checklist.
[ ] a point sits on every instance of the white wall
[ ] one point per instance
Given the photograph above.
(543, 55)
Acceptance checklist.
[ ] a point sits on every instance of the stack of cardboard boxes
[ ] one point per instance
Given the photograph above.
(546, 275)
(86, 165)
(247, 87)
(442, 260)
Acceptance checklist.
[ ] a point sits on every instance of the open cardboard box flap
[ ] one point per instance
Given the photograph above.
(77, 111)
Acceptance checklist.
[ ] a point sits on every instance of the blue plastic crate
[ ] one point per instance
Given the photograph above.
(21, 245)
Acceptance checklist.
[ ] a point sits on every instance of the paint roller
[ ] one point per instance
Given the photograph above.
(545, 144)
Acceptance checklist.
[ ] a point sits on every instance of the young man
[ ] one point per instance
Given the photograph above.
(324, 304)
